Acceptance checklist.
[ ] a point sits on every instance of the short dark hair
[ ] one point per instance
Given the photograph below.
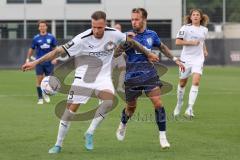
(142, 11)
(42, 21)
(98, 15)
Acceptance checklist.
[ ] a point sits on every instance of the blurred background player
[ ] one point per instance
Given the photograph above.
(191, 36)
(43, 43)
(120, 63)
(141, 75)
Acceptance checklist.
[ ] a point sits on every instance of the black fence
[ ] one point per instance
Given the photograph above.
(221, 52)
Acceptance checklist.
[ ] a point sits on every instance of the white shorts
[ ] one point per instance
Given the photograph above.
(81, 91)
(190, 69)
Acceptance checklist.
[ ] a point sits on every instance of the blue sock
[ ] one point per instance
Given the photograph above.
(39, 91)
(160, 116)
(124, 118)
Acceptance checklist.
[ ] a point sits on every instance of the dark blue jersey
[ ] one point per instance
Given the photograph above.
(139, 69)
(43, 44)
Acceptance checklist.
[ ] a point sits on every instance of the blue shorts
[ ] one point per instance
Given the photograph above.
(44, 69)
(134, 90)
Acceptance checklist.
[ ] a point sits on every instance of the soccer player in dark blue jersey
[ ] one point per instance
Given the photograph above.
(141, 75)
(43, 43)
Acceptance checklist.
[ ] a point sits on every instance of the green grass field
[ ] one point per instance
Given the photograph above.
(28, 130)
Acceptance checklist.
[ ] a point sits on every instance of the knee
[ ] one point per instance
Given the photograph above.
(130, 110)
(157, 104)
(196, 83)
(182, 84)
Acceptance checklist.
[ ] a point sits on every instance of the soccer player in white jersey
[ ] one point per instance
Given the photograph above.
(192, 37)
(98, 44)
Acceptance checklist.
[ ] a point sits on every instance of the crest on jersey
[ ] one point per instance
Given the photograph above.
(150, 41)
(48, 40)
(110, 46)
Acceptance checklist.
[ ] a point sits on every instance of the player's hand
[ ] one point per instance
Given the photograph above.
(54, 61)
(180, 65)
(131, 34)
(28, 66)
(152, 57)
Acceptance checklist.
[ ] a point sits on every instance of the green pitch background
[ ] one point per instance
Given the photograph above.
(28, 130)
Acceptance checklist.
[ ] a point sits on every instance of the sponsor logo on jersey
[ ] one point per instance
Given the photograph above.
(45, 46)
(108, 50)
(100, 53)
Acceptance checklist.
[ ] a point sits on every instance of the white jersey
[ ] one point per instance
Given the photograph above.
(97, 52)
(193, 54)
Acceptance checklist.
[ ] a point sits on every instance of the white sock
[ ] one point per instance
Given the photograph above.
(62, 131)
(99, 115)
(180, 94)
(94, 124)
(162, 134)
(64, 126)
(192, 96)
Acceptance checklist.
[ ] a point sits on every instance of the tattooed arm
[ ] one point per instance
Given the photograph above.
(166, 51)
(49, 56)
(130, 43)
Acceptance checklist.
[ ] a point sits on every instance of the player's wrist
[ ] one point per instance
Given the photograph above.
(174, 59)
(27, 59)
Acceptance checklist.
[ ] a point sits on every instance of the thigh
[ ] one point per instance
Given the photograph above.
(39, 69)
(73, 107)
(132, 92)
(155, 96)
(48, 70)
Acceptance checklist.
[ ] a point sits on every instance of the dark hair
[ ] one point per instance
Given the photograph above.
(142, 11)
(98, 15)
(204, 18)
(42, 21)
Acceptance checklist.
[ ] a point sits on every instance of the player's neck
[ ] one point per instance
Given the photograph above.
(43, 33)
(196, 24)
(141, 30)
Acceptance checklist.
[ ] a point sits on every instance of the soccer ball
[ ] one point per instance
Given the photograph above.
(50, 85)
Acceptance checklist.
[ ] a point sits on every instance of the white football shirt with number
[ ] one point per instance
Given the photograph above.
(94, 53)
(193, 54)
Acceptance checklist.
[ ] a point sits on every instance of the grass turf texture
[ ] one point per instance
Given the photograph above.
(28, 130)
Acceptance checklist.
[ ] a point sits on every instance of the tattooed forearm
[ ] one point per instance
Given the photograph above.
(51, 55)
(166, 51)
(137, 46)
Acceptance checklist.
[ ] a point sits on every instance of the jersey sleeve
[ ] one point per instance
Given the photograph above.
(33, 46)
(120, 37)
(181, 33)
(206, 32)
(156, 40)
(54, 42)
(74, 46)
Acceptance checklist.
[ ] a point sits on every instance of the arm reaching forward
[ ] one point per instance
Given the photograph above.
(49, 56)
(130, 43)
